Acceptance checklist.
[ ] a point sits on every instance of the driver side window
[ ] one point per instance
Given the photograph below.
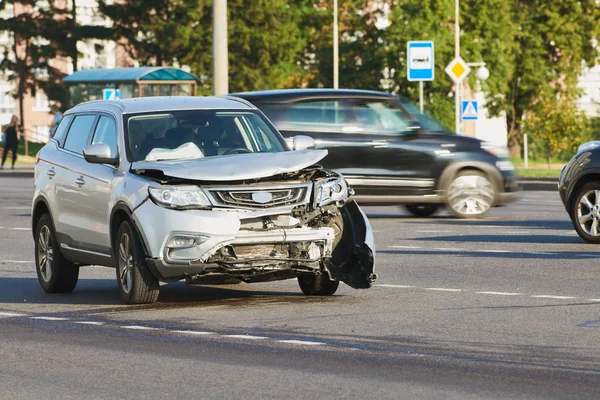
(106, 132)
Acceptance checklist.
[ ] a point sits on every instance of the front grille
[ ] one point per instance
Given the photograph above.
(260, 197)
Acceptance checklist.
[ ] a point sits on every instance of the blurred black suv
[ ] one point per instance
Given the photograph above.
(391, 153)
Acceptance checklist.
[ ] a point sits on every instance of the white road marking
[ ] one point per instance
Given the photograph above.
(15, 229)
(250, 337)
(593, 299)
(199, 333)
(139, 328)
(96, 323)
(545, 296)
(448, 249)
(405, 247)
(443, 289)
(15, 208)
(304, 342)
(16, 261)
(10, 314)
(51, 318)
(500, 293)
(435, 231)
(493, 251)
(396, 286)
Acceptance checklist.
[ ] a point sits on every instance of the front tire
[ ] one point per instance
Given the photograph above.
(136, 283)
(585, 212)
(55, 273)
(317, 285)
(470, 194)
(422, 210)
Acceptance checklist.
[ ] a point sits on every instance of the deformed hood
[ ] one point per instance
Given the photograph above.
(235, 167)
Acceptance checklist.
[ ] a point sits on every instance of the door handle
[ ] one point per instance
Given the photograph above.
(79, 181)
(51, 172)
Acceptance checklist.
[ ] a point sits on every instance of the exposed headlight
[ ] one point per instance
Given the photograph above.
(498, 151)
(588, 146)
(179, 197)
(330, 191)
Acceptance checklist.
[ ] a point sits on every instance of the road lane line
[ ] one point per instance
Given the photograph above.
(405, 247)
(493, 251)
(15, 229)
(51, 318)
(10, 314)
(302, 342)
(139, 328)
(250, 337)
(443, 289)
(593, 299)
(436, 231)
(448, 249)
(199, 333)
(16, 261)
(396, 286)
(501, 293)
(95, 323)
(547, 296)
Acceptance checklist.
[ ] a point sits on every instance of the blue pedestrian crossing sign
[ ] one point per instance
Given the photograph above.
(420, 61)
(470, 110)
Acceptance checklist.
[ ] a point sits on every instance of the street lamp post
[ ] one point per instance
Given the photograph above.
(457, 55)
(220, 62)
(336, 82)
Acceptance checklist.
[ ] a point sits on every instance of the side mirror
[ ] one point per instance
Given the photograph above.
(301, 142)
(99, 153)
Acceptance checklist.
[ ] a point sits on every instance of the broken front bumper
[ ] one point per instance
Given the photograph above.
(212, 230)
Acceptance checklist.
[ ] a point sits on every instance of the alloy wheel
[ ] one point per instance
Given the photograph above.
(126, 263)
(588, 212)
(470, 195)
(45, 253)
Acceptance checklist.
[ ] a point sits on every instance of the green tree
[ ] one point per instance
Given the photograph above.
(264, 38)
(553, 39)
(555, 124)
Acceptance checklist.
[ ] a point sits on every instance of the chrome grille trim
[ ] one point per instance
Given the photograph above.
(241, 196)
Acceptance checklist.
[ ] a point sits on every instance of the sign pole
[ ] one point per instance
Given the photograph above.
(421, 96)
(457, 55)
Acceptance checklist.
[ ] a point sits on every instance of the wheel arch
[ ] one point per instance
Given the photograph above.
(579, 183)
(40, 208)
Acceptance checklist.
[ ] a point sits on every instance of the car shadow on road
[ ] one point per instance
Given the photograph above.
(487, 238)
(571, 255)
(530, 223)
(104, 292)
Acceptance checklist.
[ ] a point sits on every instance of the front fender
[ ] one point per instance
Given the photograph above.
(353, 259)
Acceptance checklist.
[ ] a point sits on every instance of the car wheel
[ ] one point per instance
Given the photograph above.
(317, 285)
(585, 212)
(422, 210)
(55, 273)
(470, 194)
(137, 285)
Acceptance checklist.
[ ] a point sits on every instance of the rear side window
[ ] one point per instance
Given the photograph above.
(106, 132)
(61, 130)
(322, 115)
(79, 133)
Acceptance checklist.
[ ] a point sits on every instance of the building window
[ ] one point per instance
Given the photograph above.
(41, 101)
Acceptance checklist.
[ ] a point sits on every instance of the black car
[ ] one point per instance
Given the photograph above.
(391, 153)
(579, 189)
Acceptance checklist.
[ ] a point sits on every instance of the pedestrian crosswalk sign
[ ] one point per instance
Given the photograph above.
(469, 110)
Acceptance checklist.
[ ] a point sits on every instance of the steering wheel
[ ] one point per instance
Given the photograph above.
(238, 150)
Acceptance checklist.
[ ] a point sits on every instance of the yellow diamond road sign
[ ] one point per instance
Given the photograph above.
(458, 69)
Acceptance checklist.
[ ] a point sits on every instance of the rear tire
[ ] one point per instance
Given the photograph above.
(422, 210)
(585, 212)
(55, 273)
(136, 283)
(470, 194)
(317, 285)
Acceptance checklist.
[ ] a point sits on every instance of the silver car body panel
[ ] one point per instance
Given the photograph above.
(235, 167)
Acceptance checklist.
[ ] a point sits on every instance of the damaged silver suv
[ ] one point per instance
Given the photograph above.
(197, 188)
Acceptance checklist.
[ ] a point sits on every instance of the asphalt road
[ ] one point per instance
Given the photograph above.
(507, 307)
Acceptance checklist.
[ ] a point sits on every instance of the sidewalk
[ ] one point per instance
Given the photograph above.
(20, 171)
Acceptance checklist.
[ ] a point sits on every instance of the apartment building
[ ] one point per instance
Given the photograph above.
(94, 53)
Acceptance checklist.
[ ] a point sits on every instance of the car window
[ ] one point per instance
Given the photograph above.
(198, 133)
(61, 130)
(106, 132)
(376, 116)
(321, 115)
(79, 133)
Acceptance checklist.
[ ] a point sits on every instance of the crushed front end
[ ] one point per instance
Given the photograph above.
(291, 225)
